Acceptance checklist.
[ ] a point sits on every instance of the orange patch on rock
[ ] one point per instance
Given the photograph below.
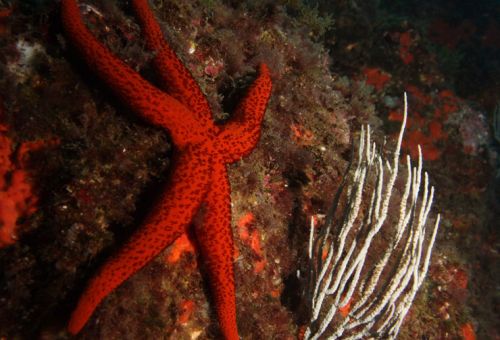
(259, 266)
(255, 245)
(431, 153)
(255, 242)
(187, 309)
(30, 146)
(17, 195)
(236, 253)
(449, 104)
(301, 135)
(275, 293)
(344, 310)
(324, 253)
(468, 332)
(436, 130)
(404, 48)
(376, 77)
(395, 116)
(426, 129)
(252, 239)
(416, 138)
(301, 332)
(422, 98)
(243, 225)
(182, 245)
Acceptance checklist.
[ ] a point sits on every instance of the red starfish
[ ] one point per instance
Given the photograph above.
(199, 174)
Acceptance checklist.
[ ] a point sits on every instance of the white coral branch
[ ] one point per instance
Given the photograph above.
(379, 292)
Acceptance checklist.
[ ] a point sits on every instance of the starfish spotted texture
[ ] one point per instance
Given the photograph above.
(199, 176)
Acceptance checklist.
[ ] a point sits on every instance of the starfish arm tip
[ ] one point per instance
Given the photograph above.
(263, 68)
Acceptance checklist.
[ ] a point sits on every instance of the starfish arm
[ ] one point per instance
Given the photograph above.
(141, 96)
(175, 77)
(167, 221)
(215, 238)
(240, 135)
